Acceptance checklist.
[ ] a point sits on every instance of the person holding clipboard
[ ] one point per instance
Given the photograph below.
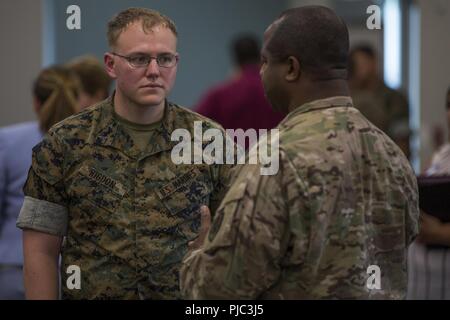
(429, 255)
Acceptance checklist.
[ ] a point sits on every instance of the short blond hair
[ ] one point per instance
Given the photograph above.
(149, 18)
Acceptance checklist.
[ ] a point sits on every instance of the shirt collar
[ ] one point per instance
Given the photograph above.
(111, 133)
(332, 102)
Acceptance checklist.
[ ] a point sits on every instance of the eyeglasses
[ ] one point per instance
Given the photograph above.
(165, 60)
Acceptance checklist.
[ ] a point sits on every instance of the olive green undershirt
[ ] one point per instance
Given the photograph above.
(140, 133)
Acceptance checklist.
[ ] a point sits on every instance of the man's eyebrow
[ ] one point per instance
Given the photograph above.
(147, 54)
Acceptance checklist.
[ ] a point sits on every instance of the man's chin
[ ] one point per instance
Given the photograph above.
(150, 101)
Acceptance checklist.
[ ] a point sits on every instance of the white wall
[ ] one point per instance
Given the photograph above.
(20, 34)
(434, 69)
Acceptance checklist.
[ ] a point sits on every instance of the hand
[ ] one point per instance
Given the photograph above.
(430, 230)
(205, 225)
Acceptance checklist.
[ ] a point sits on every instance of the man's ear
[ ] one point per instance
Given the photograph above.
(109, 65)
(293, 69)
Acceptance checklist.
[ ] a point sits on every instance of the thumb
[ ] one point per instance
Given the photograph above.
(205, 220)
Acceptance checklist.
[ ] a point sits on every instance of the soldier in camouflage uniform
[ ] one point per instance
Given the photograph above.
(106, 182)
(345, 197)
(386, 108)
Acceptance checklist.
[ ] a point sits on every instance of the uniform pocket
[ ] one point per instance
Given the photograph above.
(95, 197)
(183, 196)
(388, 228)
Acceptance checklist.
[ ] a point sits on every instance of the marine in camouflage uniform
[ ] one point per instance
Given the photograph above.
(127, 214)
(345, 198)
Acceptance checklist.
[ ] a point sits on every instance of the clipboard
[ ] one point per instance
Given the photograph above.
(434, 196)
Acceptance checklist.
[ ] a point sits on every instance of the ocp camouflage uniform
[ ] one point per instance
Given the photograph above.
(127, 215)
(388, 110)
(345, 198)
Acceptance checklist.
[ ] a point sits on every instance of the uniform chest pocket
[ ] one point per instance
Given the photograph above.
(183, 196)
(95, 198)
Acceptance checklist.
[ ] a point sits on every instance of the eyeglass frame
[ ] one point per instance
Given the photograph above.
(176, 56)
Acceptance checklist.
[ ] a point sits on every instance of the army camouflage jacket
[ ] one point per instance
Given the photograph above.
(345, 198)
(386, 108)
(126, 215)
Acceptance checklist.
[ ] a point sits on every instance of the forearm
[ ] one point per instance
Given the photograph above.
(41, 253)
(443, 236)
(41, 276)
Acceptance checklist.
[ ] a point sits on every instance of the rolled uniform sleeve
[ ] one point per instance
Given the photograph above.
(45, 205)
(241, 257)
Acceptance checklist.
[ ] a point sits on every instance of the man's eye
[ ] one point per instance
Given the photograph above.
(164, 59)
(140, 60)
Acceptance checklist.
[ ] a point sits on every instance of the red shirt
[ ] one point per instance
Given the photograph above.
(240, 103)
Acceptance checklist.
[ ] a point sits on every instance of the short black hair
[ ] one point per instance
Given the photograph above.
(315, 35)
(245, 49)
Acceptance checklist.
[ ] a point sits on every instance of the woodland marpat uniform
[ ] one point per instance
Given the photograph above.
(127, 214)
(345, 198)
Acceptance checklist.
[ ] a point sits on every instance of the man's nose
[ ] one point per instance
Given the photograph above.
(152, 68)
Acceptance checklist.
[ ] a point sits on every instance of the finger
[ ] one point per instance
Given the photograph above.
(205, 222)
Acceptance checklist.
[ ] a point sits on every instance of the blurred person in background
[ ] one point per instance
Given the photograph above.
(95, 82)
(55, 94)
(240, 102)
(384, 107)
(429, 258)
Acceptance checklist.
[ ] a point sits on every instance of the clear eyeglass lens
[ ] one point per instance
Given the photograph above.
(165, 60)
